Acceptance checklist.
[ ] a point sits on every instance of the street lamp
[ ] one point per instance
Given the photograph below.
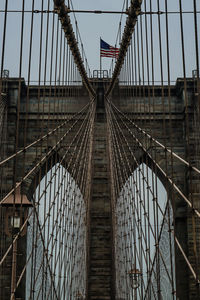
(135, 276)
(16, 211)
(79, 296)
(15, 220)
(5, 74)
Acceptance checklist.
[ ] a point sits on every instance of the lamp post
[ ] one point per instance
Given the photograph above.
(79, 296)
(16, 206)
(135, 275)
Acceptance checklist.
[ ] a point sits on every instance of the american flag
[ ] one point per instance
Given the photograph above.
(107, 50)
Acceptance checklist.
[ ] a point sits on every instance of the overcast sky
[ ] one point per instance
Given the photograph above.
(92, 26)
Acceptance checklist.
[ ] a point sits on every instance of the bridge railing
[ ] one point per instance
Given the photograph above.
(100, 74)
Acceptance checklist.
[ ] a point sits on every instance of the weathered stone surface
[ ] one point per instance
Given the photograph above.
(100, 252)
(101, 274)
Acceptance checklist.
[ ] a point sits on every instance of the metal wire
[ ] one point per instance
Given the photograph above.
(55, 228)
(46, 135)
(143, 128)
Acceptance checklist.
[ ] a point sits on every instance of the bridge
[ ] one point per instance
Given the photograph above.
(100, 169)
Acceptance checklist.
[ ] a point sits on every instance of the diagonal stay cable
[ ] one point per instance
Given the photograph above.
(174, 186)
(42, 226)
(164, 218)
(44, 136)
(157, 142)
(40, 162)
(26, 220)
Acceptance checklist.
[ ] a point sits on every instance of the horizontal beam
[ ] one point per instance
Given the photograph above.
(98, 11)
(38, 11)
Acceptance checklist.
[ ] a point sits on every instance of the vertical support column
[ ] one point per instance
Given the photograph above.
(193, 186)
(100, 252)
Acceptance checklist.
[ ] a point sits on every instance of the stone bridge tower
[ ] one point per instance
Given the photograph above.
(101, 264)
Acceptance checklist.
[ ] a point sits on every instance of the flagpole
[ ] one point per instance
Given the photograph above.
(100, 58)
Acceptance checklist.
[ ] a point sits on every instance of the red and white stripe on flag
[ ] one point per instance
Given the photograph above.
(108, 51)
(112, 52)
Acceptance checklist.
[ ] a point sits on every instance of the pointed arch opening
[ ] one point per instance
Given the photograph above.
(56, 239)
(144, 240)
